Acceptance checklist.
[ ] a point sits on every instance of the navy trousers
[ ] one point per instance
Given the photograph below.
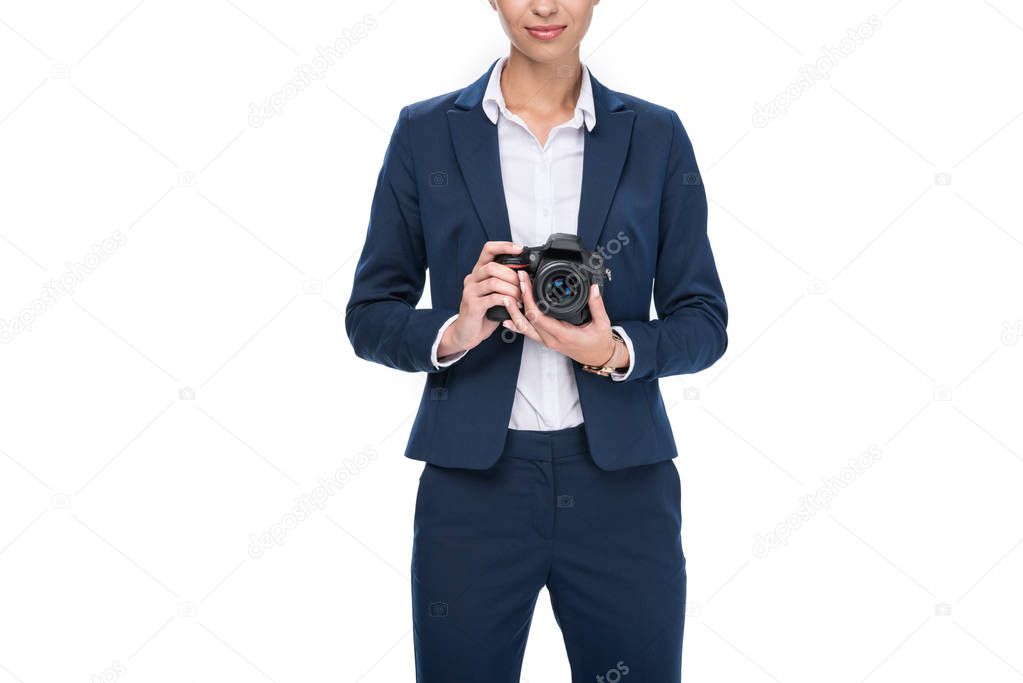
(606, 544)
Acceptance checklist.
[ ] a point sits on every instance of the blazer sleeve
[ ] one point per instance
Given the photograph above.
(689, 333)
(381, 319)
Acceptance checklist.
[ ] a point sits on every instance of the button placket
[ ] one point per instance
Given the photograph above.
(539, 209)
(548, 192)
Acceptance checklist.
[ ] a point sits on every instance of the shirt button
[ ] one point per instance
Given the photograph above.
(546, 211)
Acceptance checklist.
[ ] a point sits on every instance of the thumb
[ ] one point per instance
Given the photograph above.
(597, 310)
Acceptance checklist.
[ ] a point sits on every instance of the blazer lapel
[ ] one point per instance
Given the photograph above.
(604, 155)
(475, 141)
(476, 148)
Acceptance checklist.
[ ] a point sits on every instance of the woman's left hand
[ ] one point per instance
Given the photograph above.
(589, 344)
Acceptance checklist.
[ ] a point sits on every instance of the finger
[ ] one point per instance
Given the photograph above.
(518, 322)
(493, 284)
(529, 307)
(494, 269)
(530, 332)
(536, 317)
(485, 303)
(598, 313)
(492, 249)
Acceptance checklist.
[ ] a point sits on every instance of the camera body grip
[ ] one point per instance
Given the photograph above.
(518, 262)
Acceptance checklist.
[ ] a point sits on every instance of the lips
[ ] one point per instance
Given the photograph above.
(545, 32)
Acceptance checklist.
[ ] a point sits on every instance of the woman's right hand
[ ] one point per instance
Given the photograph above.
(487, 285)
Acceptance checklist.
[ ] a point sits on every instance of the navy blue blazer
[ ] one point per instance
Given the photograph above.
(439, 197)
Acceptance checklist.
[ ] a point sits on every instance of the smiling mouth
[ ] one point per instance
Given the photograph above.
(545, 32)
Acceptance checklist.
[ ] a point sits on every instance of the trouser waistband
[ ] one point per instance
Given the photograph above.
(545, 445)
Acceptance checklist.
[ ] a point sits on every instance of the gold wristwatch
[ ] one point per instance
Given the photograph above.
(606, 370)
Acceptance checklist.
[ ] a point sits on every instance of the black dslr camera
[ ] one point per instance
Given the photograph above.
(561, 272)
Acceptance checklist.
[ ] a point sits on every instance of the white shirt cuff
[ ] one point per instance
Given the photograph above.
(622, 376)
(453, 358)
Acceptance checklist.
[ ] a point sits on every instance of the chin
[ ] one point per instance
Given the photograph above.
(545, 54)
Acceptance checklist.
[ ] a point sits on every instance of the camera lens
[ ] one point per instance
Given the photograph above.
(561, 288)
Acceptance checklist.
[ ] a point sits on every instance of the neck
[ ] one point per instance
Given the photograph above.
(541, 86)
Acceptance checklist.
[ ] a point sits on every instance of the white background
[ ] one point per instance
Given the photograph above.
(873, 305)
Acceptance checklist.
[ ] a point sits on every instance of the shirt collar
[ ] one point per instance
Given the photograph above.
(493, 98)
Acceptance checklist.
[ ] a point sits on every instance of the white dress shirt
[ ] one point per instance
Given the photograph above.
(542, 185)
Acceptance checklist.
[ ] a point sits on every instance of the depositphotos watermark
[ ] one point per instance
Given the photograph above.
(1012, 332)
(813, 503)
(63, 286)
(811, 74)
(314, 501)
(325, 58)
(614, 674)
(110, 674)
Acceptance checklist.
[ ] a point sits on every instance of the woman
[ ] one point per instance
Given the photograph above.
(548, 448)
